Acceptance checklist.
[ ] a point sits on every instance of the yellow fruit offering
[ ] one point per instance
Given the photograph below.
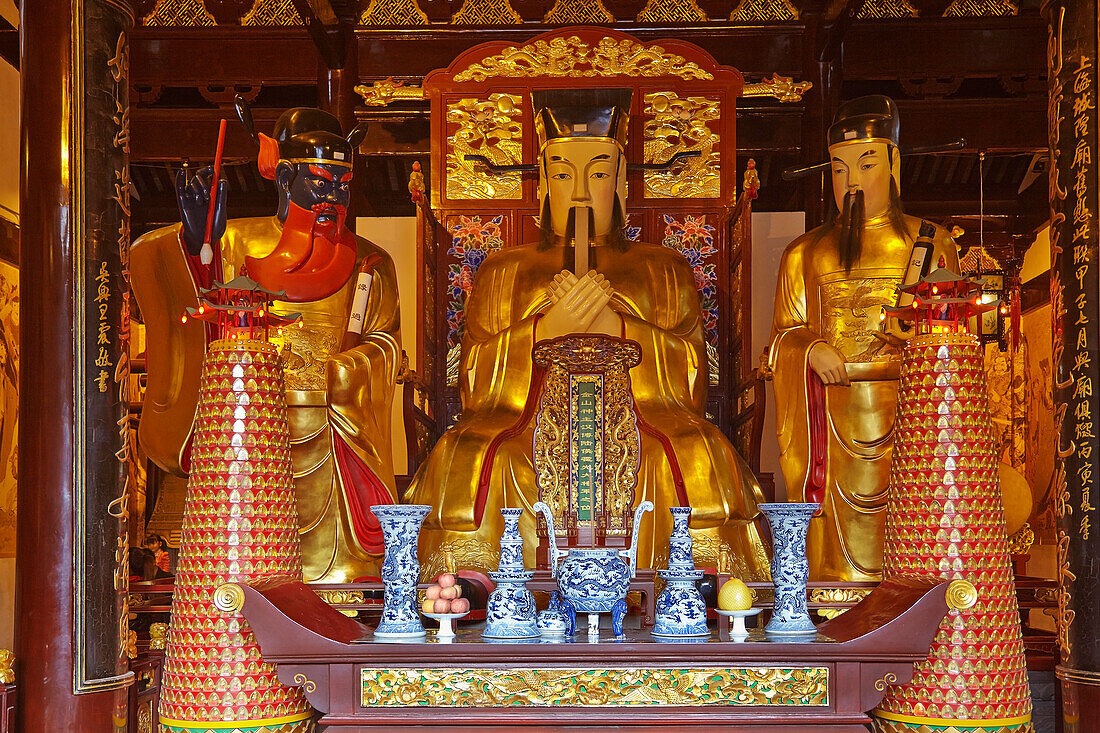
(735, 596)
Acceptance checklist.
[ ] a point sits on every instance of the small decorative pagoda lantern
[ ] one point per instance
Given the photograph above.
(240, 525)
(942, 302)
(239, 309)
(945, 520)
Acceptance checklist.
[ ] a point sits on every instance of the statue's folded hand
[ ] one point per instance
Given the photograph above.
(344, 374)
(560, 286)
(575, 311)
(828, 364)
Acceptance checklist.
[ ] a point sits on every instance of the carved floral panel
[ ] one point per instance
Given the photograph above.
(693, 237)
(472, 240)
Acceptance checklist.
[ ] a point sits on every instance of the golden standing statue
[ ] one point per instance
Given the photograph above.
(339, 386)
(836, 362)
(528, 294)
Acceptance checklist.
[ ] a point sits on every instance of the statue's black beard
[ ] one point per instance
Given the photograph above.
(617, 237)
(851, 229)
(852, 220)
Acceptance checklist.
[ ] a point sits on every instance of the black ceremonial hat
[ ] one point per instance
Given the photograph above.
(873, 117)
(309, 135)
(596, 113)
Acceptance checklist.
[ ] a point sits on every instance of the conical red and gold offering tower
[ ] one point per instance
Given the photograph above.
(945, 519)
(240, 525)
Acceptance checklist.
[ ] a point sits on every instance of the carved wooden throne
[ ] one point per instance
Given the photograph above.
(682, 101)
(586, 440)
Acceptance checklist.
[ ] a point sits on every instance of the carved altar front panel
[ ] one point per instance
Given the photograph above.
(578, 687)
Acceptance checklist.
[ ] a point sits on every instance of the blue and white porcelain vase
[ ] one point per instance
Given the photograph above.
(400, 569)
(510, 612)
(790, 568)
(680, 607)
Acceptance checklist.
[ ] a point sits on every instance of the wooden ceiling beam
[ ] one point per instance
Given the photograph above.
(331, 26)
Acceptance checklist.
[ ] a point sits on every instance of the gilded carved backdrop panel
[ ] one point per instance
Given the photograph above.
(486, 12)
(272, 12)
(393, 13)
(576, 58)
(674, 125)
(179, 13)
(672, 11)
(578, 12)
(764, 11)
(491, 127)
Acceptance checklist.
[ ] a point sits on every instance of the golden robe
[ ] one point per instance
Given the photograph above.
(817, 301)
(656, 295)
(333, 398)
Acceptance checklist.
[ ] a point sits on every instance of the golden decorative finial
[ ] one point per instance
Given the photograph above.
(158, 636)
(449, 562)
(751, 185)
(783, 88)
(961, 595)
(382, 93)
(7, 667)
(417, 188)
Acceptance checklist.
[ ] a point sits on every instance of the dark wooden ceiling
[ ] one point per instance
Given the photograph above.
(980, 78)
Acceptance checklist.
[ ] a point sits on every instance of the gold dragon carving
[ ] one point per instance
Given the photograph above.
(572, 57)
(694, 687)
(489, 127)
(678, 124)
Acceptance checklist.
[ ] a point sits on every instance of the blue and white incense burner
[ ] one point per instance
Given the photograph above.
(510, 612)
(680, 611)
(595, 580)
(400, 569)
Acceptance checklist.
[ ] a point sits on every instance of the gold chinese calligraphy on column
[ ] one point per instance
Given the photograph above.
(9, 404)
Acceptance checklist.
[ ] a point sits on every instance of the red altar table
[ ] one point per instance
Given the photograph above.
(360, 684)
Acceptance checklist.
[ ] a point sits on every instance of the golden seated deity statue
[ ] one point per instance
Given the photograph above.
(583, 277)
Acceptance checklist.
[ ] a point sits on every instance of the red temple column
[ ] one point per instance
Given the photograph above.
(71, 581)
(1075, 296)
